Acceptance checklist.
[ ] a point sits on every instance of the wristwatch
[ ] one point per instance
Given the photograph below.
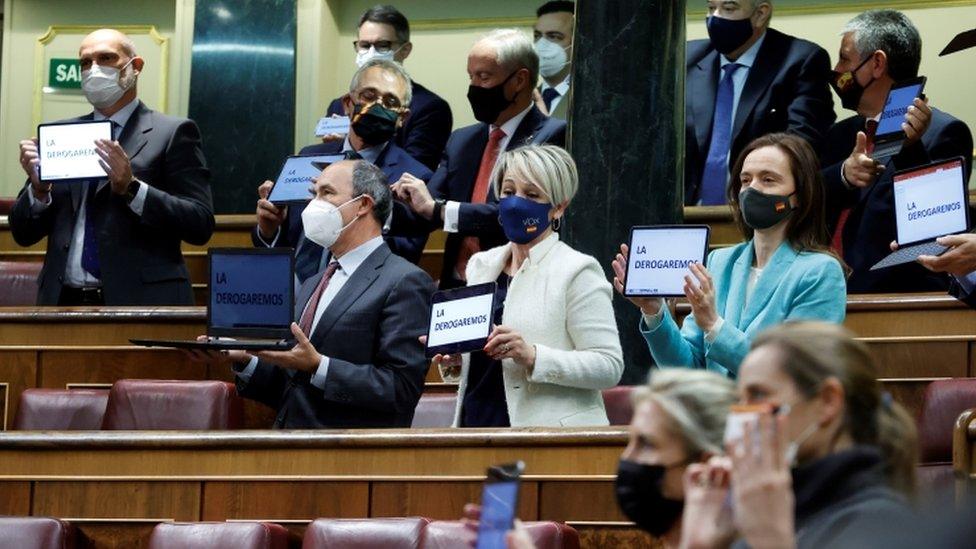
(438, 208)
(131, 191)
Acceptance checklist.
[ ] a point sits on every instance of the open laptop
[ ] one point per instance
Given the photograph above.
(889, 137)
(252, 301)
(930, 201)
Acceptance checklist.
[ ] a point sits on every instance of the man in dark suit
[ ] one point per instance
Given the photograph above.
(459, 198)
(384, 33)
(553, 35)
(377, 104)
(745, 81)
(116, 241)
(358, 361)
(878, 49)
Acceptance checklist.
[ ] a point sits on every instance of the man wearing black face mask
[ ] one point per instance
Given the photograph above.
(377, 105)
(878, 49)
(744, 81)
(503, 67)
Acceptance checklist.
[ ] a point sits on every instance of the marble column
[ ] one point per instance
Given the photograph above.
(626, 135)
(242, 93)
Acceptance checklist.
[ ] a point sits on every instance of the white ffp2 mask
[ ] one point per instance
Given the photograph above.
(322, 221)
(552, 57)
(103, 86)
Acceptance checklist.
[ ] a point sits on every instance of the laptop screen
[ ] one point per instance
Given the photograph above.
(251, 292)
(930, 202)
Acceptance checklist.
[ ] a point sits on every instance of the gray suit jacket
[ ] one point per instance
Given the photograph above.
(140, 256)
(369, 332)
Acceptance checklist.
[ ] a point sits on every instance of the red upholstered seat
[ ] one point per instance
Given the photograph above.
(135, 404)
(374, 533)
(944, 400)
(37, 533)
(448, 534)
(18, 282)
(620, 407)
(218, 535)
(60, 409)
(6, 204)
(434, 411)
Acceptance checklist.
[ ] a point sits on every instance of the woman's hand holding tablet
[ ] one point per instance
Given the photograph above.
(648, 305)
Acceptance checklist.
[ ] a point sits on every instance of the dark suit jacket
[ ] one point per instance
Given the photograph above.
(786, 90)
(427, 128)
(394, 162)
(454, 180)
(956, 290)
(140, 256)
(377, 366)
(870, 226)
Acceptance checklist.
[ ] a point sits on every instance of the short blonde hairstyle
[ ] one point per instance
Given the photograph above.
(697, 403)
(548, 166)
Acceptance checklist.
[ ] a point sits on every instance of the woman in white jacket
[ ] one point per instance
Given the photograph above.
(555, 343)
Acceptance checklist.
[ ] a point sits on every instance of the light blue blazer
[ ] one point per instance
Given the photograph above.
(793, 286)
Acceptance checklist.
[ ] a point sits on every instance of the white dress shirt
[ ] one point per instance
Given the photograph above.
(561, 88)
(451, 208)
(348, 264)
(74, 275)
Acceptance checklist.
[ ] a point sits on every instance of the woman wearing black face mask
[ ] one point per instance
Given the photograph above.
(784, 270)
(679, 419)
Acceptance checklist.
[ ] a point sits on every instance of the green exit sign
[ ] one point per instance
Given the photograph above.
(64, 74)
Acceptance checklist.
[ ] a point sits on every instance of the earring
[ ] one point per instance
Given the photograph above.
(556, 223)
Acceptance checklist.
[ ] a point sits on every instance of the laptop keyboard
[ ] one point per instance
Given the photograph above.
(909, 254)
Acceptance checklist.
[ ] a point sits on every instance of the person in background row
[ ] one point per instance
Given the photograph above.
(116, 241)
(831, 460)
(555, 344)
(878, 49)
(358, 362)
(377, 103)
(783, 271)
(503, 69)
(384, 33)
(553, 35)
(744, 81)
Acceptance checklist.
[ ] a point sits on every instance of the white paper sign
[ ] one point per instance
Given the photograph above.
(930, 203)
(660, 258)
(67, 151)
(332, 124)
(464, 319)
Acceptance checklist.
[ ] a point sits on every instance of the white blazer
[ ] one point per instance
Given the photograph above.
(559, 301)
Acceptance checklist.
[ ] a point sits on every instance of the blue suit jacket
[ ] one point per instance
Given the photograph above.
(394, 162)
(870, 226)
(793, 286)
(454, 180)
(787, 90)
(427, 128)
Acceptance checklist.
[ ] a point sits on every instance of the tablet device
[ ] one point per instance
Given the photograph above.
(67, 150)
(660, 256)
(332, 124)
(889, 136)
(297, 175)
(499, 500)
(460, 319)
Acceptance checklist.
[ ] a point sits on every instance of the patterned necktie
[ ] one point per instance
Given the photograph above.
(308, 316)
(471, 245)
(837, 241)
(716, 174)
(548, 95)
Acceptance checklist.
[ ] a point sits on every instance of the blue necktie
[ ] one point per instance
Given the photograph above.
(716, 174)
(548, 95)
(89, 249)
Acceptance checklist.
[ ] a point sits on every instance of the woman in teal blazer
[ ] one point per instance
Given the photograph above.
(784, 270)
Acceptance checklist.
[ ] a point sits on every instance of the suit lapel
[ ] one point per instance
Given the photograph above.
(467, 168)
(134, 135)
(528, 129)
(768, 282)
(360, 281)
(769, 59)
(737, 285)
(702, 88)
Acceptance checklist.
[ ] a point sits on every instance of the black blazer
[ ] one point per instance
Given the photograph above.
(957, 292)
(140, 256)
(870, 226)
(427, 128)
(455, 178)
(394, 162)
(787, 90)
(369, 332)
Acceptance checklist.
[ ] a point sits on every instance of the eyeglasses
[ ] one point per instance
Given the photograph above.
(381, 46)
(371, 95)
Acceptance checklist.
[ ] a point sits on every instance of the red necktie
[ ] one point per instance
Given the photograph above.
(471, 245)
(305, 323)
(837, 242)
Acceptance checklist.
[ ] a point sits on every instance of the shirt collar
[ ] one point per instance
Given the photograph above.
(748, 58)
(513, 124)
(560, 88)
(351, 260)
(369, 154)
(121, 117)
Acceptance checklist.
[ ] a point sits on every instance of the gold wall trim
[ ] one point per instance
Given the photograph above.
(40, 70)
(818, 8)
(471, 23)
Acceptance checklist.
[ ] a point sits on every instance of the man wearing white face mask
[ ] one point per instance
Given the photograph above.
(358, 362)
(116, 240)
(384, 33)
(553, 34)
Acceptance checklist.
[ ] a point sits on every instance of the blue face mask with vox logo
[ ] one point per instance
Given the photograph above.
(523, 219)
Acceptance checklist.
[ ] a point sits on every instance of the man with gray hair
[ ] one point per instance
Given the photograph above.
(878, 49)
(377, 103)
(503, 68)
(358, 361)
